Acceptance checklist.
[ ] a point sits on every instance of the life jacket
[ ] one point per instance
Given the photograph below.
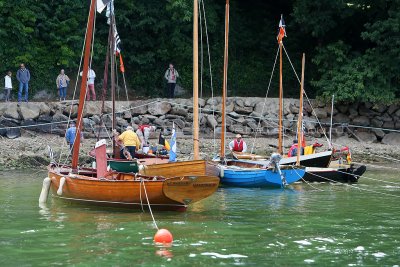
(141, 127)
(293, 150)
(238, 146)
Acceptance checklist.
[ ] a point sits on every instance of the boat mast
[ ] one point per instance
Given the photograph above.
(280, 150)
(113, 73)
(225, 82)
(330, 128)
(82, 94)
(195, 80)
(300, 121)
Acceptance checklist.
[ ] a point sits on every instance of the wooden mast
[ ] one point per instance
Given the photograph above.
(195, 80)
(82, 94)
(113, 75)
(300, 120)
(280, 150)
(225, 81)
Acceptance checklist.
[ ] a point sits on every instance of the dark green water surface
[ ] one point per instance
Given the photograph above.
(318, 225)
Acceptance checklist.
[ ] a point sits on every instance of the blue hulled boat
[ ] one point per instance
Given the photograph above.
(246, 174)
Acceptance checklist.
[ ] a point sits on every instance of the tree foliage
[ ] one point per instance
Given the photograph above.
(352, 48)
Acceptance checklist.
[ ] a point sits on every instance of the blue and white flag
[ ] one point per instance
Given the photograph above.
(172, 152)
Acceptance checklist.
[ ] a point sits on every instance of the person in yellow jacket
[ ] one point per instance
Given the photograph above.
(130, 140)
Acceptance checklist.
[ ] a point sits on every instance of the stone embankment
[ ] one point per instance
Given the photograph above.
(27, 129)
(247, 116)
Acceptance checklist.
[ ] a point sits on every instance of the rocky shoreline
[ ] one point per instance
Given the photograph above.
(370, 131)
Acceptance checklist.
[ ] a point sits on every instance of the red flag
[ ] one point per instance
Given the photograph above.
(282, 31)
(121, 63)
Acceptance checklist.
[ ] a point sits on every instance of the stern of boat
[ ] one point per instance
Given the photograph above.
(190, 189)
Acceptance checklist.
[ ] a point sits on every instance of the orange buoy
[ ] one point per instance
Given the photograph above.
(163, 236)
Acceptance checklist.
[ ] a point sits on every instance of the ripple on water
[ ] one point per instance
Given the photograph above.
(378, 254)
(223, 256)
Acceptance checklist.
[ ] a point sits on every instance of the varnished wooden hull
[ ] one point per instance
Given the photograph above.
(128, 190)
(192, 167)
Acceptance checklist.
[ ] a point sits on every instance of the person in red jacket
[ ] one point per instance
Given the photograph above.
(238, 145)
(293, 149)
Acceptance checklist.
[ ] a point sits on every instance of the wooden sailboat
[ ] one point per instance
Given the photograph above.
(102, 187)
(196, 166)
(245, 174)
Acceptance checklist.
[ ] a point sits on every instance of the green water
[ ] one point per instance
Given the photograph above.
(328, 225)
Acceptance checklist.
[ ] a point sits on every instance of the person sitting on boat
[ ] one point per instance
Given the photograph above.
(293, 149)
(143, 132)
(238, 145)
(70, 135)
(130, 140)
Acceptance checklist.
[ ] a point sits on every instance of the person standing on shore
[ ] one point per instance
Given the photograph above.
(62, 83)
(90, 84)
(7, 86)
(171, 75)
(23, 77)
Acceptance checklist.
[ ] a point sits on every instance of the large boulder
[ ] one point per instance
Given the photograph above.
(92, 108)
(58, 117)
(361, 121)
(364, 111)
(392, 109)
(392, 139)
(367, 137)
(379, 133)
(376, 122)
(44, 109)
(121, 122)
(211, 121)
(29, 111)
(320, 113)
(138, 108)
(180, 123)
(13, 133)
(11, 111)
(159, 108)
(388, 125)
(176, 110)
(242, 109)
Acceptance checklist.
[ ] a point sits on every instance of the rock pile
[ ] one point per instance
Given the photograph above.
(247, 116)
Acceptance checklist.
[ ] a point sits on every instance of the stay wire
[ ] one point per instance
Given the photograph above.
(265, 100)
(75, 89)
(211, 77)
(308, 100)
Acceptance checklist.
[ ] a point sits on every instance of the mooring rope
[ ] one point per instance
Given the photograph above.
(356, 187)
(301, 177)
(148, 202)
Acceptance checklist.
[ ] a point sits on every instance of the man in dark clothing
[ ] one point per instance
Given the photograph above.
(23, 77)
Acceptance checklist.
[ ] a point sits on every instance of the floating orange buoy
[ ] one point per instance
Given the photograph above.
(163, 236)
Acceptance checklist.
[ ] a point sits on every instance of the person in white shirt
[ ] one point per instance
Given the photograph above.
(238, 145)
(7, 86)
(90, 84)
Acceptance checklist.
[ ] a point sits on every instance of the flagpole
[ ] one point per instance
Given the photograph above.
(82, 93)
(113, 74)
(225, 81)
(195, 81)
(299, 128)
(280, 150)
